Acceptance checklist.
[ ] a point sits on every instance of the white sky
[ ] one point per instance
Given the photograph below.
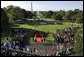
(45, 5)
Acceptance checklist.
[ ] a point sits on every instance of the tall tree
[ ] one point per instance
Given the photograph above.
(57, 16)
(4, 20)
(49, 14)
(68, 15)
(14, 13)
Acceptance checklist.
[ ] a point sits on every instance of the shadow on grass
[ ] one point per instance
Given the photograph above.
(30, 34)
(12, 25)
(50, 41)
(33, 22)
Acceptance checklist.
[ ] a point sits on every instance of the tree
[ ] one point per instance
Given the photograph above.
(78, 20)
(62, 13)
(4, 20)
(15, 13)
(78, 45)
(34, 15)
(57, 16)
(49, 14)
(44, 14)
(78, 16)
(28, 14)
(68, 15)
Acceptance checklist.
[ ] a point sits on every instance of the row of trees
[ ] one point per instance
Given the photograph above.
(4, 20)
(12, 13)
(75, 16)
(15, 13)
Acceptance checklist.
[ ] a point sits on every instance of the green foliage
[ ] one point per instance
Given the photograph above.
(74, 16)
(78, 46)
(16, 13)
(68, 15)
(46, 14)
(28, 14)
(4, 19)
(57, 16)
(78, 20)
(34, 15)
(49, 14)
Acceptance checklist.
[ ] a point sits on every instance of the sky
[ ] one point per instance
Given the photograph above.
(45, 5)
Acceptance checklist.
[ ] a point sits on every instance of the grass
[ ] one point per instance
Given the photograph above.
(4, 39)
(45, 28)
(46, 19)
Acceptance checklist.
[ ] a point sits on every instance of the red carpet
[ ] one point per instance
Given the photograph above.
(38, 40)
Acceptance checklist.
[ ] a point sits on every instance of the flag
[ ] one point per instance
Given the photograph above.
(31, 50)
(14, 42)
(25, 48)
(7, 45)
(53, 46)
(36, 51)
(28, 50)
(41, 52)
(4, 44)
(11, 45)
(50, 48)
(14, 47)
(35, 37)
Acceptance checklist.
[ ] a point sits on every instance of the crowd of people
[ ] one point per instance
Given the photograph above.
(18, 34)
(34, 50)
(65, 35)
(63, 47)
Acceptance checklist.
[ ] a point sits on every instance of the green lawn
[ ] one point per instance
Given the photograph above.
(45, 28)
(46, 19)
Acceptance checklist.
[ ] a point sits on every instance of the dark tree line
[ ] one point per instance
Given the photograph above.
(74, 16)
(16, 13)
(4, 20)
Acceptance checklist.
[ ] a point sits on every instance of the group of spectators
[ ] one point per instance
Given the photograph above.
(65, 35)
(64, 38)
(8, 52)
(14, 50)
(33, 50)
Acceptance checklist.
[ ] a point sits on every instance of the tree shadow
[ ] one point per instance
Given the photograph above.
(36, 22)
(12, 25)
(49, 41)
(30, 34)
